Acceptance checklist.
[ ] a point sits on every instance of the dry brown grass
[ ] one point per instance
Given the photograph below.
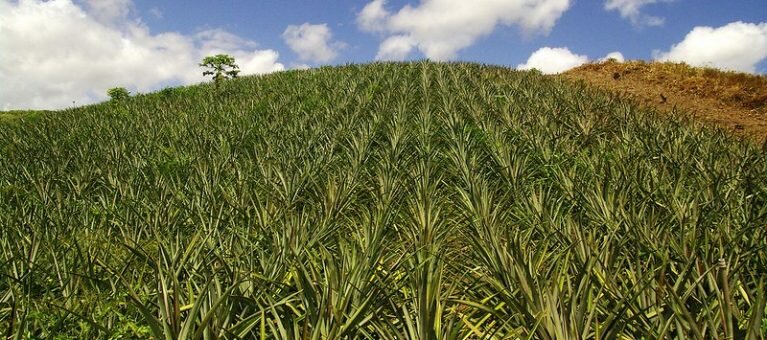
(734, 88)
(737, 101)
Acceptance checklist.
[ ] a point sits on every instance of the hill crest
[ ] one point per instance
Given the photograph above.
(733, 100)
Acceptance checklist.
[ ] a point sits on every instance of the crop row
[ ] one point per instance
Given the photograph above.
(390, 200)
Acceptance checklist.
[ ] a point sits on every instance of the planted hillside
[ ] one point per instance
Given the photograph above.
(415, 200)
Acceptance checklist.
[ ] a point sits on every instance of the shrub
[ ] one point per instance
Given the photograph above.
(221, 67)
(167, 92)
(118, 93)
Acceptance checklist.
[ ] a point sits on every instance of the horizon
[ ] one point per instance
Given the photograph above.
(65, 51)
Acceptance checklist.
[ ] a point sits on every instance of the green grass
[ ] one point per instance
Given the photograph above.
(414, 200)
(6, 116)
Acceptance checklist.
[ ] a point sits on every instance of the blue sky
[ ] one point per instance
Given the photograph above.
(585, 28)
(88, 46)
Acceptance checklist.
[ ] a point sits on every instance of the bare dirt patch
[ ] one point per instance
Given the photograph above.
(731, 100)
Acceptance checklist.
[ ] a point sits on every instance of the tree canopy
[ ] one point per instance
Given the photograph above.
(220, 66)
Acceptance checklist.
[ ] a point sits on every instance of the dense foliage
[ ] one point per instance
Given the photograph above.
(221, 67)
(117, 94)
(418, 200)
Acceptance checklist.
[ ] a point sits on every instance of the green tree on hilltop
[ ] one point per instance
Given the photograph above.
(221, 67)
(118, 94)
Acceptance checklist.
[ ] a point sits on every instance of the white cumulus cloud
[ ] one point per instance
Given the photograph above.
(373, 17)
(395, 48)
(736, 46)
(553, 60)
(617, 56)
(312, 42)
(441, 28)
(631, 10)
(64, 51)
(108, 11)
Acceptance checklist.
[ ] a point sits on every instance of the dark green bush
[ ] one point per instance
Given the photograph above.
(118, 94)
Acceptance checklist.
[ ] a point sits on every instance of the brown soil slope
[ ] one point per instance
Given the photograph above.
(734, 101)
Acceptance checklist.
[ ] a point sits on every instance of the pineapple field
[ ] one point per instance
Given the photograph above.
(385, 201)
